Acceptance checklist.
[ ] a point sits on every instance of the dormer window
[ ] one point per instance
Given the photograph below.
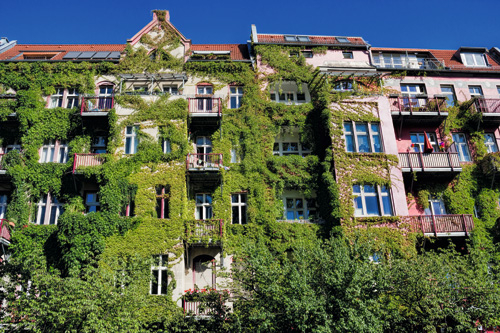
(473, 59)
(343, 40)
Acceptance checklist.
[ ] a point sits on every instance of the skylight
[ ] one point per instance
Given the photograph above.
(295, 38)
(303, 39)
(290, 38)
(343, 40)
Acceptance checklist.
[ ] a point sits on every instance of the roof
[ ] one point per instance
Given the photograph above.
(393, 49)
(60, 52)
(314, 40)
(238, 52)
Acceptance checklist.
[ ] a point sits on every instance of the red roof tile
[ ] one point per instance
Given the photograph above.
(318, 40)
(393, 49)
(59, 50)
(238, 51)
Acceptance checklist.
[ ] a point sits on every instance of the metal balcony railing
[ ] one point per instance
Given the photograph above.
(414, 64)
(203, 162)
(205, 228)
(429, 161)
(418, 104)
(97, 104)
(204, 105)
(442, 225)
(86, 160)
(4, 230)
(487, 105)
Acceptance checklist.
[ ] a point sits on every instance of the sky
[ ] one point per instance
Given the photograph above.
(446, 24)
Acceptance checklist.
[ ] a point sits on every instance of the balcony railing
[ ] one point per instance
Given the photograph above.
(487, 105)
(418, 104)
(97, 104)
(204, 106)
(414, 64)
(203, 162)
(193, 308)
(4, 230)
(443, 225)
(204, 230)
(439, 161)
(87, 160)
(303, 221)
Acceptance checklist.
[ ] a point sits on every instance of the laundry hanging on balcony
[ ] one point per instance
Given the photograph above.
(428, 146)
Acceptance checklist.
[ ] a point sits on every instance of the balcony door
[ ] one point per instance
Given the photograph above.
(413, 95)
(436, 206)
(418, 142)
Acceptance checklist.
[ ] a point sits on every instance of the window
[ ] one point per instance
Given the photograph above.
(307, 54)
(203, 145)
(371, 200)
(347, 54)
(239, 208)
(14, 146)
(234, 156)
(131, 139)
(3, 205)
(159, 275)
(343, 86)
(141, 90)
(98, 145)
(236, 93)
(203, 206)
(413, 90)
(418, 142)
(462, 147)
(343, 40)
(54, 151)
(290, 94)
(498, 89)
(449, 91)
(474, 59)
(303, 39)
(490, 142)
(362, 137)
(49, 209)
(475, 91)
(297, 207)
(56, 100)
(172, 90)
(105, 97)
(388, 60)
(294, 38)
(162, 202)
(290, 148)
(72, 98)
(436, 206)
(204, 90)
(92, 202)
(166, 146)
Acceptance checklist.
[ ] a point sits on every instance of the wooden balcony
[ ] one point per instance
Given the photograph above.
(204, 162)
(96, 106)
(441, 225)
(204, 107)
(4, 231)
(418, 106)
(87, 160)
(204, 231)
(489, 107)
(430, 162)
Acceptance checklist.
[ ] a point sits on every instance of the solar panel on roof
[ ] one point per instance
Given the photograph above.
(86, 55)
(101, 55)
(114, 55)
(72, 55)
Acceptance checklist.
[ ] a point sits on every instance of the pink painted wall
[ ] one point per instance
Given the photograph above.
(333, 56)
(404, 142)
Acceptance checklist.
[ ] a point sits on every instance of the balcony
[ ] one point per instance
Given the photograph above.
(419, 106)
(193, 308)
(407, 63)
(5, 232)
(204, 107)
(430, 162)
(489, 107)
(204, 162)
(96, 106)
(303, 221)
(87, 160)
(204, 231)
(442, 225)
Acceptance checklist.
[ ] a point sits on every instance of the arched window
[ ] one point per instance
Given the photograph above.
(204, 271)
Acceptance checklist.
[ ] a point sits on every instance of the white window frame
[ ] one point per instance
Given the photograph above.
(204, 146)
(14, 146)
(205, 90)
(361, 196)
(347, 55)
(236, 93)
(239, 204)
(166, 146)
(204, 209)
(289, 94)
(474, 59)
(47, 201)
(94, 203)
(171, 89)
(478, 93)
(72, 98)
(3, 205)
(435, 200)
(309, 206)
(57, 99)
(419, 145)
(161, 267)
(54, 151)
(462, 147)
(131, 139)
(451, 97)
(301, 151)
(371, 134)
(490, 142)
